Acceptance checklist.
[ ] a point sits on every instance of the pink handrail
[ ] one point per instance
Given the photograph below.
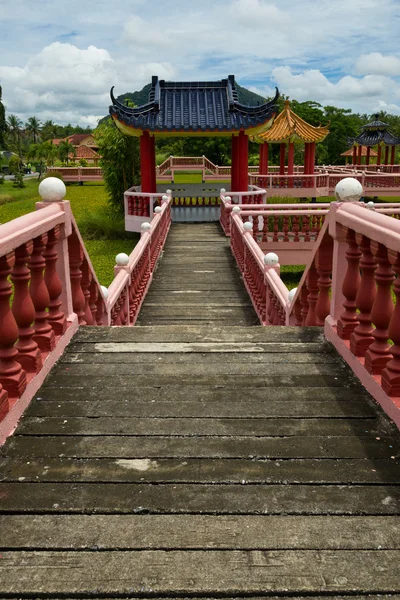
(48, 287)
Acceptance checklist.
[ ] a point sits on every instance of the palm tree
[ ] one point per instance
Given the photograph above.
(40, 153)
(33, 126)
(65, 149)
(51, 153)
(49, 130)
(14, 125)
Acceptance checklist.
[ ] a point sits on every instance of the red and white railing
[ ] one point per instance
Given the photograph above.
(48, 287)
(77, 174)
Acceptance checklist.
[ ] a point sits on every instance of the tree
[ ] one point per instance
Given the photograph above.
(120, 162)
(3, 124)
(33, 126)
(14, 125)
(38, 153)
(49, 130)
(65, 149)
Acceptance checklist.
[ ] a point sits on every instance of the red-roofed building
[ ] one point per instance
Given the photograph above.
(85, 153)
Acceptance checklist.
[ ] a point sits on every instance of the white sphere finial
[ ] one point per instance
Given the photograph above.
(222, 190)
(371, 205)
(248, 226)
(228, 199)
(145, 226)
(348, 190)
(164, 198)
(271, 259)
(104, 290)
(236, 210)
(157, 210)
(52, 189)
(122, 259)
(292, 294)
(168, 192)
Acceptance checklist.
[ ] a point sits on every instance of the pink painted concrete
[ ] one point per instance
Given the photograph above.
(372, 383)
(9, 423)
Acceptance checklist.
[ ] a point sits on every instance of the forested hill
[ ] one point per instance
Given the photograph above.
(244, 96)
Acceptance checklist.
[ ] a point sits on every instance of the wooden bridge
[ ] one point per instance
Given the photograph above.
(198, 454)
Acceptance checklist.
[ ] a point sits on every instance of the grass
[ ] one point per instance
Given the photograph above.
(90, 209)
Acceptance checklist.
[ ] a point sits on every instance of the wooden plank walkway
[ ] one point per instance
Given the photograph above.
(200, 460)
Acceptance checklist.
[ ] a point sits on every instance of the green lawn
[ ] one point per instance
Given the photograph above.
(85, 200)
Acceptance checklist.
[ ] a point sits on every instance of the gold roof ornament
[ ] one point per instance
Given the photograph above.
(289, 127)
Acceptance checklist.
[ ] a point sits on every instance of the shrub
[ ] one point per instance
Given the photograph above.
(1, 179)
(19, 180)
(54, 174)
(14, 165)
(83, 162)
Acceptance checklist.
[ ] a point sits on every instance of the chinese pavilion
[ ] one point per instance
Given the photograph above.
(375, 133)
(195, 109)
(287, 130)
(365, 151)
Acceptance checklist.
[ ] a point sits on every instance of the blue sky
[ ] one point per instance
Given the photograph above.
(58, 60)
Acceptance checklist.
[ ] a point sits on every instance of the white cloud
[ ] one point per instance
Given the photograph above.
(376, 63)
(258, 14)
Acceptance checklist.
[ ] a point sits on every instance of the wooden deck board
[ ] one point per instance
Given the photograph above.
(201, 458)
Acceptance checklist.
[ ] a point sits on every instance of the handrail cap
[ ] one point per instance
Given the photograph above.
(52, 189)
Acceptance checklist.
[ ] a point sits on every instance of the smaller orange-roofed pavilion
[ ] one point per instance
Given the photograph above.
(287, 130)
(364, 153)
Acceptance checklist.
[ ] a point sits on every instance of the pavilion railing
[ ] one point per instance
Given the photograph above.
(141, 204)
(77, 174)
(348, 287)
(48, 287)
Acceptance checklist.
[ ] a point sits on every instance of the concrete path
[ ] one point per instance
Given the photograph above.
(204, 459)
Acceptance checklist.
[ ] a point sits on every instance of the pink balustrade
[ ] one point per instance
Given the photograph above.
(348, 287)
(48, 288)
(78, 174)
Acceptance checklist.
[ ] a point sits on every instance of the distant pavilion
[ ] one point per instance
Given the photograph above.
(365, 151)
(287, 130)
(375, 133)
(194, 109)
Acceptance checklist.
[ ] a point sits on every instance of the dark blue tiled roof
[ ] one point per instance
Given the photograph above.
(193, 106)
(376, 132)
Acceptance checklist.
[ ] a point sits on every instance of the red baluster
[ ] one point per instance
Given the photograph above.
(255, 227)
(93, 297)
(362, 337)
(323, 263)
(296, 228)
(349, 318)
(56, 317)
(75, 261)
(276, 229)
(29, 355)
(44, 334)
(297, 314)
(391, 374)
(312, 285)
(304, 303)
(285, 228)
(265, 229)
(85, 284)
(12, 376)
(306, 228)
(379, 352)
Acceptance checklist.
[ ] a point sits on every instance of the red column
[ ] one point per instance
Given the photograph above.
(146, 162)
(291, 159)
(243, 178)
(378, 160)
(359, 155)
(312, 158)
(261, 159)
(153, 164)
(306, 157)
(354, 155)
(387, 155)
(368, 155)
(393, 156)
(264, 158)
(282, 159)
(235, 163)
